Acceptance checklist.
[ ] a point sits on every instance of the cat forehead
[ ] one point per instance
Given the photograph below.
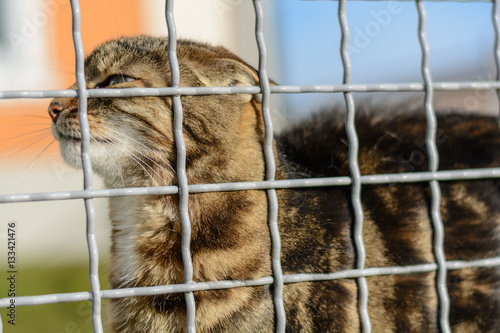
(126, 52)
(145, 50)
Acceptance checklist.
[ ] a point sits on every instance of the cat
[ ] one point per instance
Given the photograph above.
(132, 145)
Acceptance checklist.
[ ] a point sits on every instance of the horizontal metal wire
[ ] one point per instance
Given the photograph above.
(285, 89)
(212, 285)
(413, 177)
(453, 175)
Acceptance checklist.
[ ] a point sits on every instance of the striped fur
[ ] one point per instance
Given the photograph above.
(132, 145)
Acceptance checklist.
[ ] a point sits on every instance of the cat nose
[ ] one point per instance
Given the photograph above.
(54, 111)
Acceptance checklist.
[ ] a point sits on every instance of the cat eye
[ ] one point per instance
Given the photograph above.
(115, 79)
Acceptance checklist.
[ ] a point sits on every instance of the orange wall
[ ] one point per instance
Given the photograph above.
(101, 20)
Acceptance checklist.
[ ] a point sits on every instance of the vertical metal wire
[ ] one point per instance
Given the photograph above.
(87, 167)
(181, 167)
(432, 152)
(270, 171)
(271, 167)
(495, 19)
(354, 169)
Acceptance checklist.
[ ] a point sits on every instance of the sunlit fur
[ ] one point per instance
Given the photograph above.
(132, 145)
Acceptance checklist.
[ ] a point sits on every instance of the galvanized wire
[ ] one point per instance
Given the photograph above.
(270, 184)
(217, 285)
(279, 308)
(413, 177)
(87, 168)
(432, 153)
(181, 168)
(495, 20)
(353, 141)
(171, 91)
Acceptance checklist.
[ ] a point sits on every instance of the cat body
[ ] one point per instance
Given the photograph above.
(132, 146)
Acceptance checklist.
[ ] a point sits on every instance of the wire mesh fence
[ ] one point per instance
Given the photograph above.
(355, 181)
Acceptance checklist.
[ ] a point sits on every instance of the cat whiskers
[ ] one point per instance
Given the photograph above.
(28, 141)
(139, 161)
(140, 158)
(27, 115)
(161, 158)
(115, 162)
(18, 139)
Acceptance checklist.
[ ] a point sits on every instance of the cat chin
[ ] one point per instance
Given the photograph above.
(102, 158)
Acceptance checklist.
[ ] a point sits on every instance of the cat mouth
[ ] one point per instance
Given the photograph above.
(69, 137)
(79, 139)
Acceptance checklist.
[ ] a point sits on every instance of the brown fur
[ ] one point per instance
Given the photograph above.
(132, 145)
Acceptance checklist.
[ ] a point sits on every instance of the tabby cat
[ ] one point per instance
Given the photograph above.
(132, 145)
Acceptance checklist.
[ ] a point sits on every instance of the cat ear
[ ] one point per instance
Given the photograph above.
(242, 75)
(229, 73)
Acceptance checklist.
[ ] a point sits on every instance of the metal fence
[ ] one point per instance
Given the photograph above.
(433, 176)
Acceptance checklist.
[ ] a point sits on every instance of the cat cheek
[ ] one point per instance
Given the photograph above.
(55, 132)
(71, 153)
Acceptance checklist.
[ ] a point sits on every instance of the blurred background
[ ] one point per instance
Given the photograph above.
(36, 52)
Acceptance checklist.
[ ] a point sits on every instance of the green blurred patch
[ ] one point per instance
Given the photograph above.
(74, 317)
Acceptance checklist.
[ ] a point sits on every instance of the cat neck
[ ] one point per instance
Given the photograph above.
(147, 238)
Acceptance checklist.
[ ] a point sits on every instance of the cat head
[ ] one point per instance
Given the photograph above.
(131, 138)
